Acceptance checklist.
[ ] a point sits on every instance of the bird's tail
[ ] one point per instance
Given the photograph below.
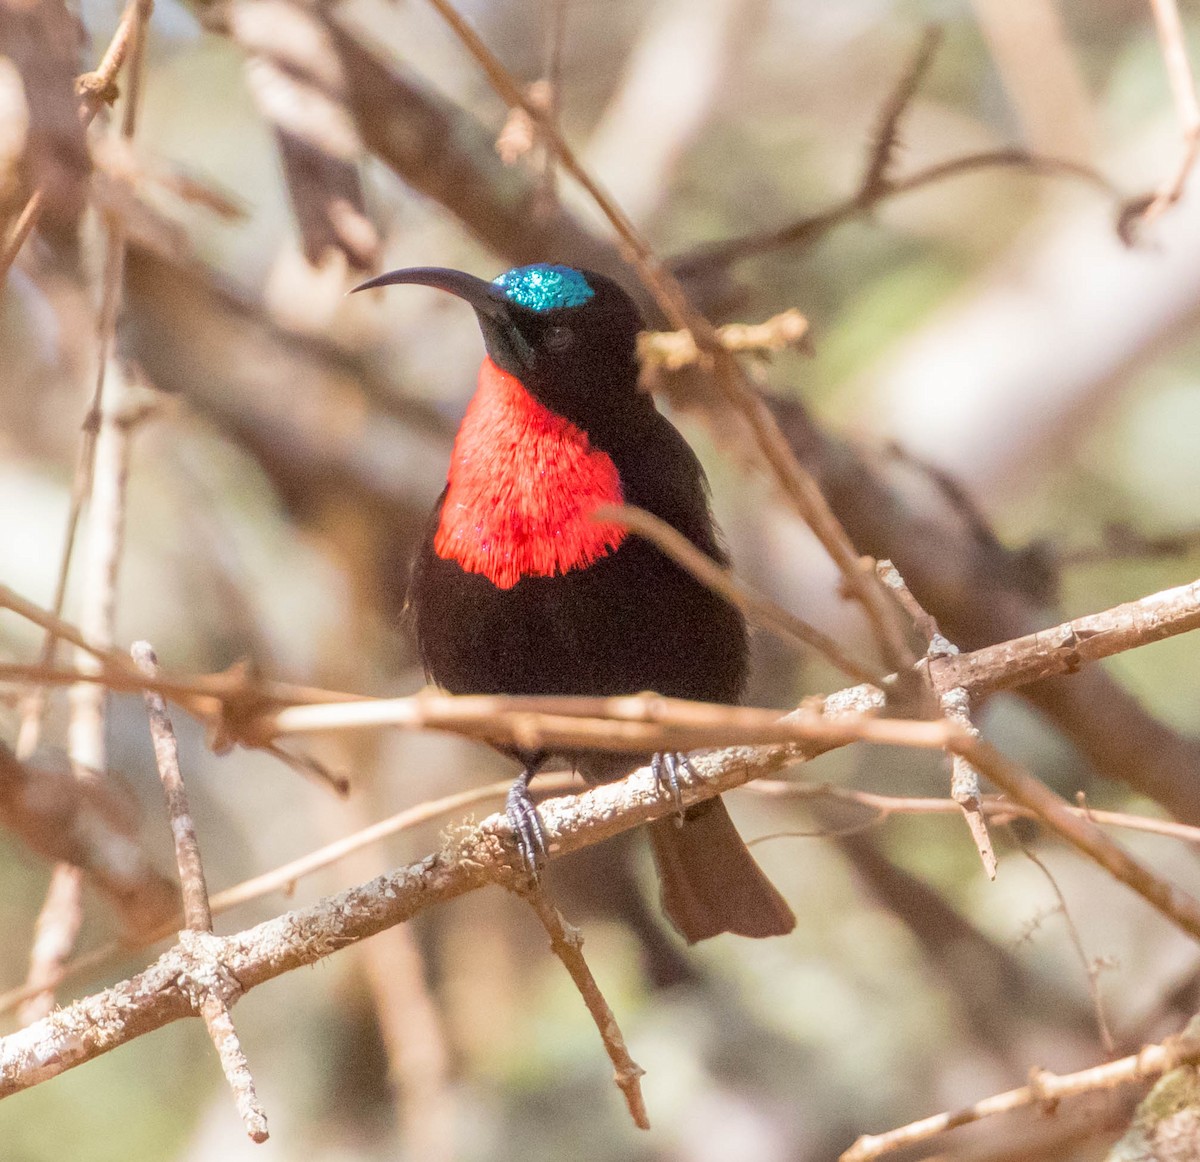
(710, 882)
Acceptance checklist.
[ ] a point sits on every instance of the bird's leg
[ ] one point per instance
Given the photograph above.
(528, 830)
(666, 765)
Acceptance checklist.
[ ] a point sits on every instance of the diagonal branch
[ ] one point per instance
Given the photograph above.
(566, 942)
(173, 987)
(1044, 1089)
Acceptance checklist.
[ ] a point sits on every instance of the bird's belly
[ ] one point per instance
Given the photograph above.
(631, 622)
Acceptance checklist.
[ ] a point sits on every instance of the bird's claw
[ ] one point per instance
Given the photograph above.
(666, 766)
(529, 833)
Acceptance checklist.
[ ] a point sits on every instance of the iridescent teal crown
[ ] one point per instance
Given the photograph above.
(543, 287)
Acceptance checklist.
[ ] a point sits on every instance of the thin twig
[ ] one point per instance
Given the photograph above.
(924, 622)
(1178, 906)
(197, 914)
(51, 622)
(1059, 649)
(1091, 967)
(994, 807)
(632, 724)
(759, 609)
(808, 230)
(96, 89)
(1063, 648)
(566, 942)
(103, 469)
(1183, 90)
(675, 350)
(887, 135)
(200, 694)
(234, 1065)
(237, 708)
(555, 16)
(1043, 1089)
(214, 1007)
(22, 228)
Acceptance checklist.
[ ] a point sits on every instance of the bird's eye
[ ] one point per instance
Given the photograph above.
(558, 339)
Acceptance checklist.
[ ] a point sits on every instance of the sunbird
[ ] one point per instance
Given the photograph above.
(516, 589)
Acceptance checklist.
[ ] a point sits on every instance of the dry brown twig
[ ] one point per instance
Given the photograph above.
(566, 942)
(201, 695)
(1183, 90)
(1091, 967)
(675, 350)
(995, 807)
(1181, 908)
(887, 134)
(1063, 648)
(197, 914)
(257, 712)
(955, 704)
(214, 1000)
(877, 185)
(633, 724)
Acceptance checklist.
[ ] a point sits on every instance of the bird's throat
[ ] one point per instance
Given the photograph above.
(523, 484)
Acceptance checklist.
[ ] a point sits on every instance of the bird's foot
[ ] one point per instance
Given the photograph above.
(667, 765)
(529, 833)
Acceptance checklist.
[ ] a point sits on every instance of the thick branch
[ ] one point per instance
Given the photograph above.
(1062, 649)
(168, 990)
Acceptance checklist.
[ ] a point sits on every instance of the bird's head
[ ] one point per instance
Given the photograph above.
(569, 336)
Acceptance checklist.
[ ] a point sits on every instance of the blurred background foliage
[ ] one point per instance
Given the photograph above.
(992, 325)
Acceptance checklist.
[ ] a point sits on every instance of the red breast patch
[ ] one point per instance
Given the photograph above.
(523, 483)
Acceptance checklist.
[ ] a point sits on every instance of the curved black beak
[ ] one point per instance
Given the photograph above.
(480, 294)
(504, 341)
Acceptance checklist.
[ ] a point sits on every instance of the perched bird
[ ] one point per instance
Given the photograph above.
(517, 590)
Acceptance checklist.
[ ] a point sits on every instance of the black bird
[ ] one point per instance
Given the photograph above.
(516, 590)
